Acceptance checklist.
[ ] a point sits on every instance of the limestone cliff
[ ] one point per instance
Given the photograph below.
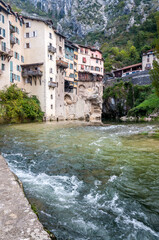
(77, 18)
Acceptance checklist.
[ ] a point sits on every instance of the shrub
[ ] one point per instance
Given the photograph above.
(18, 106)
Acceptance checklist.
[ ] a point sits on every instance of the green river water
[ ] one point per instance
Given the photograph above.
(88, 182)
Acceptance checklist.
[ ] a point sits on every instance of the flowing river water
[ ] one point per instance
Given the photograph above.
(88, 182)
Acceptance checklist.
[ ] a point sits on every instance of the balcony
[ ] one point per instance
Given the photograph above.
(51, 49)
(12, 29)
(52, 84)
(62, 63)
(6, 51)
(31, 73)
(12, 40)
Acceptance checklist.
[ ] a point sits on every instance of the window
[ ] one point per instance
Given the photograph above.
(18, 67)
(50, 70)
(86, 67)
(27, 35)
(34, 34)
(3, 46)
(17, 40)
(92, 68)
(50, 57)
(81, 50)
(97, 69)
(82, 66)
(148, 59)
(51, 106)
(92, 54)
(22, 59)
(28, 25)
(96, 60)
(50, 79)
(16, 55)
(71, 75)
(4, 33)
(27, 45)
(60, 49)
(60, 39)
(148, 65)
(11, 77)
(2, 19)
(71, 66)
(75, 56)
(11, 66)
(84, 60)
(50, 35)
(17, 30)
(3, 67)
(86, 51)
(51, 96)
(3, 58)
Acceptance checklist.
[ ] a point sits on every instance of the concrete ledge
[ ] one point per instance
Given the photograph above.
(17, 220)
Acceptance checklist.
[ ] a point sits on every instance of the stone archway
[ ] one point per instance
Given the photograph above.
(68, 99)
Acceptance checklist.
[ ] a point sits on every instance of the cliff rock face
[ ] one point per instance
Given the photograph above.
(87, 104)
(80, 17)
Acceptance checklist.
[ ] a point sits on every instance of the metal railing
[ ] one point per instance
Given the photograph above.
(51, 49)
(12, 28)
(12, 40)
(6, 51)
(52, 84)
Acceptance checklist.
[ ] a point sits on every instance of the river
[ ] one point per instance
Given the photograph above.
(87, 182)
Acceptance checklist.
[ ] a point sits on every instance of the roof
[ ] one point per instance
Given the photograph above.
(59, 34)
(149, 52)
(46, 21)
(134, 65)
(5, 7)
(89, 47)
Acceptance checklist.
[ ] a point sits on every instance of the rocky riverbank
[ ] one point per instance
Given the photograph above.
(17, 220)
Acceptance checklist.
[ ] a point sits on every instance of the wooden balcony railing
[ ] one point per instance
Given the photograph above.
(61, 63)
(32, 73)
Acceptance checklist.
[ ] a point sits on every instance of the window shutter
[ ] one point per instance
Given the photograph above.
(2, 19)
(11, 79)
(4, 33)
(11, 66)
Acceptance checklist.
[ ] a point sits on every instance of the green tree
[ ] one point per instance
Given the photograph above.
(155, 71)
(18, 106)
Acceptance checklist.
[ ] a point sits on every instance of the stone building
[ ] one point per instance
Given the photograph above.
(65, 77)
(147, 59)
